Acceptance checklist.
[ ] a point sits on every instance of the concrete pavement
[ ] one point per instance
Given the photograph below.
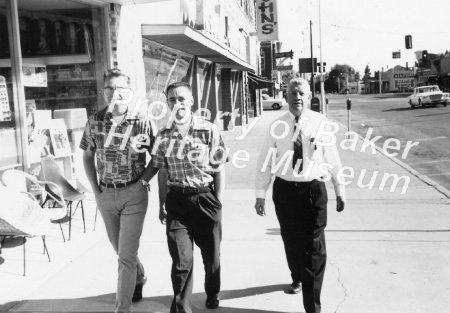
(387, 252)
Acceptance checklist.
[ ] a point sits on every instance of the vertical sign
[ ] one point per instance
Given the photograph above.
(267, 20)
(5, 113)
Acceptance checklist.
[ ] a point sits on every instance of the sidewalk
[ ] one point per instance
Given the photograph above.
(387, 252)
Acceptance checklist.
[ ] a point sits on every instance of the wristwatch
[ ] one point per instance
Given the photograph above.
(146, 184)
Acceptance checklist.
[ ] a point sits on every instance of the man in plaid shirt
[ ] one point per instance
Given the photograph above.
(190, 157)
(115, 146)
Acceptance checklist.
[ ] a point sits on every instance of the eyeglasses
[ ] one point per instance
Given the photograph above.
(119, 89)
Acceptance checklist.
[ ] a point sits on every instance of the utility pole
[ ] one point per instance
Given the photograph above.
(379, 78)
(312, 59)
(322, 83)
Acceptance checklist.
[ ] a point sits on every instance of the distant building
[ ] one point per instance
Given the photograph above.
(354, 87)
(398, 79)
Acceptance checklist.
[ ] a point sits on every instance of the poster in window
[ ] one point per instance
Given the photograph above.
(59, 138)
(5, 112)
(34, 75)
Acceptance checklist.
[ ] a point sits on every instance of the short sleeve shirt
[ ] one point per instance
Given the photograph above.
(120, 149)
(191, 161)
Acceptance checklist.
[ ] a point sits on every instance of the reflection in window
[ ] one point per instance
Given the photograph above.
(163, 66)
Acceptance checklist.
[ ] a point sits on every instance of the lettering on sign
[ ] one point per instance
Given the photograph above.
(267, 20)
(403, 75)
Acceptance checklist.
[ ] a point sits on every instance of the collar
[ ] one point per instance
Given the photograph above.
(105, 116)
(292, 116)
(196, 123)
(305, 112)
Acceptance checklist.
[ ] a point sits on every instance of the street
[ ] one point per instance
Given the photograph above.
(390, 116)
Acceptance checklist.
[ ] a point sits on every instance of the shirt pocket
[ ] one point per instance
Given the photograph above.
(199, 154)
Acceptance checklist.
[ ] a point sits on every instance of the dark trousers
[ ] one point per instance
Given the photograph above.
(193, 218)
(301, 209)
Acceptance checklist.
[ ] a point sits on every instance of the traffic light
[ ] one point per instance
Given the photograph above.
(408, 42)
(291, 54)
(424, 55)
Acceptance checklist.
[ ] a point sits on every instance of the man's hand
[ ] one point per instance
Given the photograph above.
(340, 204)
(97, 191)
(162, 214)
(260, 206)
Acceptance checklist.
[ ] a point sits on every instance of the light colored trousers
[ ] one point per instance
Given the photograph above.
(123, 211)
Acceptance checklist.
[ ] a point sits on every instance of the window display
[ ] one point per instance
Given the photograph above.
(63, 47)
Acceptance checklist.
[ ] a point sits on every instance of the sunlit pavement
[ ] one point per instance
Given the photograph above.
(387, 252)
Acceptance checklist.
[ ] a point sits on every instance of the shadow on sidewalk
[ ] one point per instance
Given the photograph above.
(159, 304)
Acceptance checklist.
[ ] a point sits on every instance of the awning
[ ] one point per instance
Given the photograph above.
(188, 40)
(257, 82)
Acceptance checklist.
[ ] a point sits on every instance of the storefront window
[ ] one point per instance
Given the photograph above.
(63, 59)
(62, 54)
(162, 67)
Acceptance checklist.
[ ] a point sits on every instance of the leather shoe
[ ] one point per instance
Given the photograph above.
(212, 303)
(295, 288)
(137, 294)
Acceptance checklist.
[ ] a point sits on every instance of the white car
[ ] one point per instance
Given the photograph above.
(428, 95)
(270, 103)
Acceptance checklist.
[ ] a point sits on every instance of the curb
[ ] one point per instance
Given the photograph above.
(422, 177)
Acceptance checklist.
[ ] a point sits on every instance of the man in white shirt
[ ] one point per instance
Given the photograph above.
(298, 152)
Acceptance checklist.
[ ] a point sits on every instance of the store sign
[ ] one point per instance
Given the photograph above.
(404, 75)
(284, 67)
(34, 75)
(403, 83)
(267, 20)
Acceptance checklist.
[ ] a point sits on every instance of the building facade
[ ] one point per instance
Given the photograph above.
(53, 55)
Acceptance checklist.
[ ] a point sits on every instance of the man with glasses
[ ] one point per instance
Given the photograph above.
(119, 142)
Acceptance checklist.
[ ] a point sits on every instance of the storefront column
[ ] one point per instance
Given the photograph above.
(227, 99)
(16, 77)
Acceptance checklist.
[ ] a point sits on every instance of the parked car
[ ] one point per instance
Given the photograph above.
(270, 103)
(428, 95)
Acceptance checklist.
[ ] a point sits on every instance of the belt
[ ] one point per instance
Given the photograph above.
(190, 190)
(298, 184)
(118, 185)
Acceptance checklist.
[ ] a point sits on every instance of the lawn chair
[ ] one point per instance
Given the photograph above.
(21, 216)
(52, 173)
(16, 180)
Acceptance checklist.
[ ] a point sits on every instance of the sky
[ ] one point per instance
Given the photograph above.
(364, 32)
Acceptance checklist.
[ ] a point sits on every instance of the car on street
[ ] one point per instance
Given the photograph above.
(428, 95)
(270, 103)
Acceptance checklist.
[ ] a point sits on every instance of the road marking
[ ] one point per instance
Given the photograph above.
(432, 138)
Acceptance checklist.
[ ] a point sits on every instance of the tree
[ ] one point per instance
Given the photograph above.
(367, 73)
(366, 77)
(288, 75)
(338, 76)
